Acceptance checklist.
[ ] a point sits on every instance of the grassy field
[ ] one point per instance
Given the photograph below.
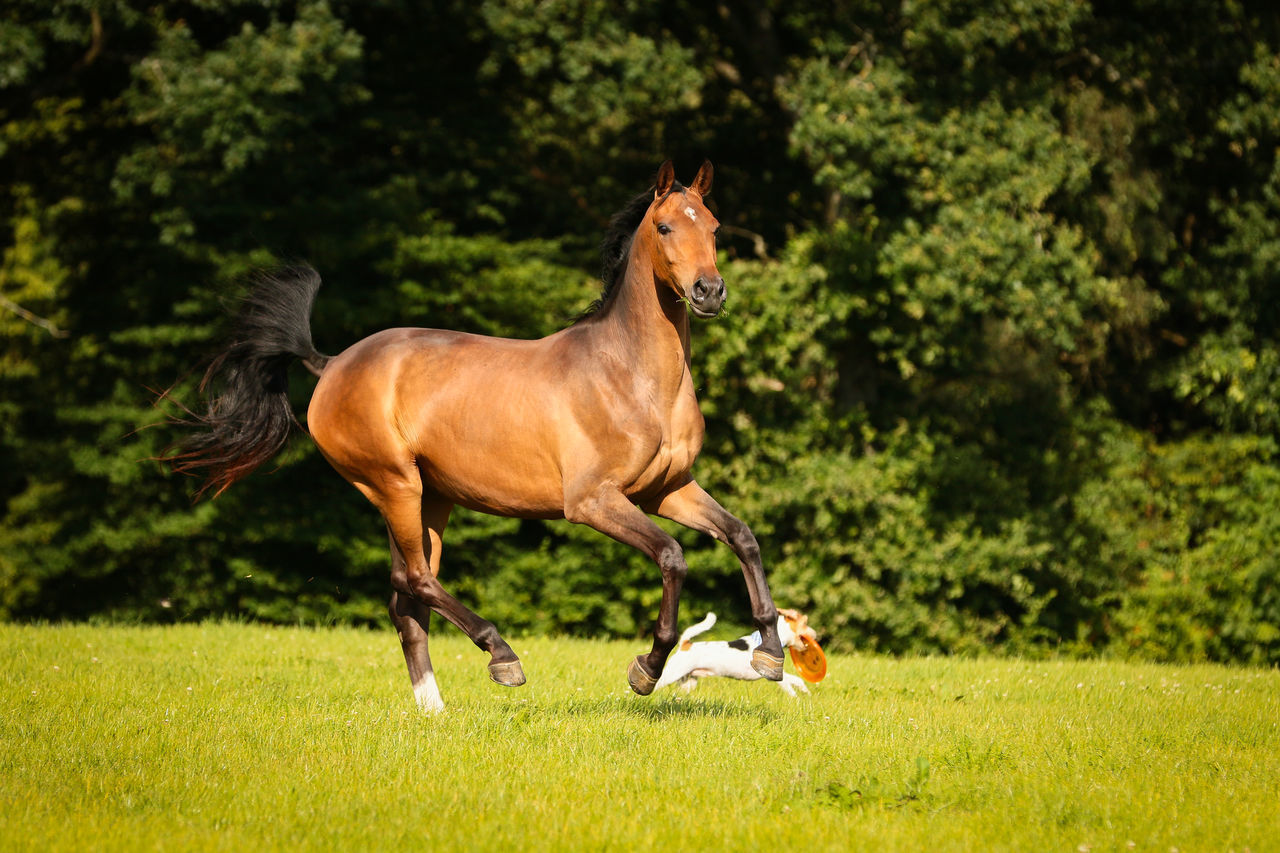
(225, 736)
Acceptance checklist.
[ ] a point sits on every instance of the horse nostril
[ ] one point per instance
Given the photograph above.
(699, 290)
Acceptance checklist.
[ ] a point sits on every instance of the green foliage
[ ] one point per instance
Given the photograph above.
(468, 283)
(219, 114)
(1191, 530)
(1000, 366)
(586, 77)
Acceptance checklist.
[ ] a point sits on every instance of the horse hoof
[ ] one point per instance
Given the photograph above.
(509, 674)
(641, 682)
(767, 665)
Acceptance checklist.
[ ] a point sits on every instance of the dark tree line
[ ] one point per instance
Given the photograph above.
(1001, 362)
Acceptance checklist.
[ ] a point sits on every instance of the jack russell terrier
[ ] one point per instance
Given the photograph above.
(732, 659)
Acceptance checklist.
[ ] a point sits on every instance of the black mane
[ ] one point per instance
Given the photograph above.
(617, 245)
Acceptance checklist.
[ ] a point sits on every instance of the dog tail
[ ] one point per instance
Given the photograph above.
(686, 639)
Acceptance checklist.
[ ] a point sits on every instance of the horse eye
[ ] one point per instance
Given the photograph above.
(663, 228)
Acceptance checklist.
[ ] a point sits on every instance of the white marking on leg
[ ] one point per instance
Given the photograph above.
(427, 694)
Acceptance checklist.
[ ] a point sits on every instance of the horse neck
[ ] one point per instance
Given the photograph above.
(649, 324)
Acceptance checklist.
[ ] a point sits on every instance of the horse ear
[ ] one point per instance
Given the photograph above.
(702, 183)
(666, 177)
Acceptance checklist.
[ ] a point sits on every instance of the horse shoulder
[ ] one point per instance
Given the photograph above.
(684, 431)
(645, 442)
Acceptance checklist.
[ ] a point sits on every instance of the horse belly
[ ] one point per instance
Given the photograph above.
(500, 481)
(494, 455)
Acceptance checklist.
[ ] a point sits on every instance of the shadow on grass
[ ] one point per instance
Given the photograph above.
(666, 708)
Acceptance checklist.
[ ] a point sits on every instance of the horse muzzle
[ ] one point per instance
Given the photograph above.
(706, 297)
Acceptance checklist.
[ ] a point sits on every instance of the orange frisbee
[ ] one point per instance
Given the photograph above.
(810, 662)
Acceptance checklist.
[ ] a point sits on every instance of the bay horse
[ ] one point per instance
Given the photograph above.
(597, 424)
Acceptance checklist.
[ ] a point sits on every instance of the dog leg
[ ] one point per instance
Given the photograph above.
(790, 684)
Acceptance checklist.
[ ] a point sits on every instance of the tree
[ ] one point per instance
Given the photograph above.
(999, 287)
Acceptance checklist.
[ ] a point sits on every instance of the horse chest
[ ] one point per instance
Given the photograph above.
(675, 440)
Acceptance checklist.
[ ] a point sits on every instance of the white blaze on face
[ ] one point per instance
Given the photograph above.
(691, 213)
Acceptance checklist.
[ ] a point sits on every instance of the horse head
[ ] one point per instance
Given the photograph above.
(683, 232)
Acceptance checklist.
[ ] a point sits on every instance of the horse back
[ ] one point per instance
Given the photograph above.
(496, 424)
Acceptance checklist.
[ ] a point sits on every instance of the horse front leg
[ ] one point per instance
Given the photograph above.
(692, 507)
(609, 511)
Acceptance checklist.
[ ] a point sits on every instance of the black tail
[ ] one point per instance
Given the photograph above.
(248, 418)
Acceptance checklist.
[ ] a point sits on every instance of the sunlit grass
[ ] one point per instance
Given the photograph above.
(241, 737)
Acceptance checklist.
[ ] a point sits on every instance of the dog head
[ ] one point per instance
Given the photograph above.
(792, 627)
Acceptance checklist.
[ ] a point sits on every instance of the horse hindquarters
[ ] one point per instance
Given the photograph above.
(353, 423)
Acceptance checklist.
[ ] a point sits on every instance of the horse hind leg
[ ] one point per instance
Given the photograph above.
(416, 524)
(412, 622)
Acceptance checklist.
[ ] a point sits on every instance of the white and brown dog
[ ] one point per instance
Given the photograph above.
(732, 658)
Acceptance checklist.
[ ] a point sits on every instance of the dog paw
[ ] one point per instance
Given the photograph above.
(790, 684)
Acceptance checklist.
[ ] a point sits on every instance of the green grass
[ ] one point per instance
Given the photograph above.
(224, 736)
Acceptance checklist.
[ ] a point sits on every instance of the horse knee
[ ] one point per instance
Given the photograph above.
(671, 562)
(743, 541)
